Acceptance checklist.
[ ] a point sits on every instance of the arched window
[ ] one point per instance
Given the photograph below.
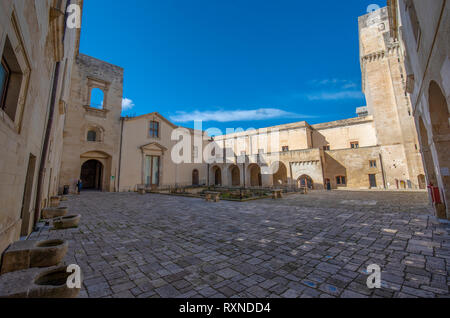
(97, 98)
(92, 135)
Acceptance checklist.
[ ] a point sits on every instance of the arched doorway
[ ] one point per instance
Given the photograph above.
(279, 171)
(235, 176)
(92, 175)
(421, 181)
(195, 178)
(439, 115)
(217, 176)
(255, 175)
(305, 181)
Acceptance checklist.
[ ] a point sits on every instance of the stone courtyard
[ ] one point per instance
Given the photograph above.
(315, 245)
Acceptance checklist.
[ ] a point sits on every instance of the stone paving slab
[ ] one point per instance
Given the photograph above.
(315, 245)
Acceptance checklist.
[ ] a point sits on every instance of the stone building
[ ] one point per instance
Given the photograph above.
(379, 149)
(422, 28)
(92, 132)
(37, 50)
(146, 154)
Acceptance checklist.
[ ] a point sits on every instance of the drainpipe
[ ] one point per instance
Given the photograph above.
(382, 172)
(48, 130)
(120, 153)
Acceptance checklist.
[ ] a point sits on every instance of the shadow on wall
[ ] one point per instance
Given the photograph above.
(335, 173)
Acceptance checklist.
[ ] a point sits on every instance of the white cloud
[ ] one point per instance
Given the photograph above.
(337, 82)
(338, 95)
(127, 104)
(235, 115)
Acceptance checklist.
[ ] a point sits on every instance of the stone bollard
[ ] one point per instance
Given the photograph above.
(51, 213)
(54, 201)
(38, 283)
(66, 222)
(26, 254)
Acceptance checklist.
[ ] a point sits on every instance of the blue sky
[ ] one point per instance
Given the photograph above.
(232, 63)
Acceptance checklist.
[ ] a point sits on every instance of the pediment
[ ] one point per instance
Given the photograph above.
(153, 146)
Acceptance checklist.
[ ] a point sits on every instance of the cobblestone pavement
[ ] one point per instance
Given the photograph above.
(315, 245)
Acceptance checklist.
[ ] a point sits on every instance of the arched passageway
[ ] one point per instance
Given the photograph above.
(92, 175)
(255, 175)
(426, 153)
(217, 176)
(305, 181)
(279, 171)
(235, 176)
(440, 126)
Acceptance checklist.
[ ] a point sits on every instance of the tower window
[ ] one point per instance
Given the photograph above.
(354, 144)
(92, 135)
(97, 98)
(285, 148)
(373, 163)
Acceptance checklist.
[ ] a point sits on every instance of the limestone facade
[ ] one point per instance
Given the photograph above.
(423, 29)
(92, 132)
(37, 52)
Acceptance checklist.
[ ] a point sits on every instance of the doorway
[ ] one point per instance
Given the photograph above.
(372, 181)
(152, 173)
(92, 175)
(195, 178)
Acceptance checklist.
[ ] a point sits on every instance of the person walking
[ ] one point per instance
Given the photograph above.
(79, 186)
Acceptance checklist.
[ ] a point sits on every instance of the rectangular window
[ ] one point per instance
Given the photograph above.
(341, 180)
(373, 163)
(326, 147)
(154, 129)
(11, 78)
(354, 144)
(372, 181)
(411, 10)
(285, 148)
(4, 80)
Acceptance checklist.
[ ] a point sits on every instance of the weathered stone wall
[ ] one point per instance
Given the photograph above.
(339, 134)
(354, 165)
(26, 27)
(384, 84)
(91, 73)
(428, 72)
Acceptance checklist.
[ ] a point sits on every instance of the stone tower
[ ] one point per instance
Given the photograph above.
(384, 84)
